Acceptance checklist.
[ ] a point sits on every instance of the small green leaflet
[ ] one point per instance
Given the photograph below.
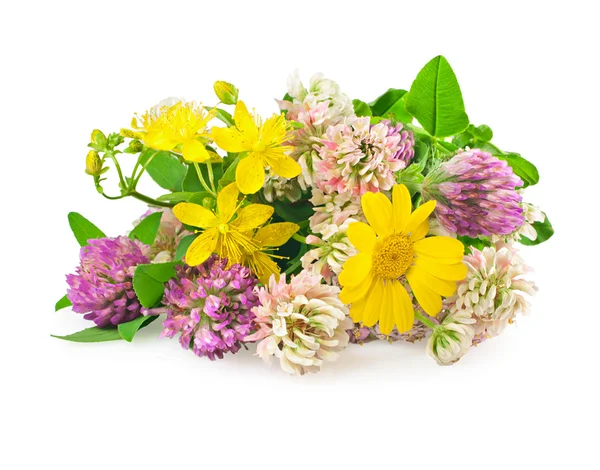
(83, 229)
(184, 244)
(523, 168)
(435, 100)
(148, 282)
(92, 335)
(391, 104)
(544, 232)
(129, 329)
(147, 229)
(229, 175)
(62, 303)
(361, 108)
(166, 171)
(175, 197)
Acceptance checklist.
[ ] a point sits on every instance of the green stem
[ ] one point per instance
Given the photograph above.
(114, 198)
(149, 200)
(202, 181)
(426, 321)
(211, 177)
(299, 238)
(137, 178)
(118, 167)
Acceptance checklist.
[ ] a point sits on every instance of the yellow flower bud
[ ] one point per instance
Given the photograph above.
(226, 92)
(93, 163)
(98, 137)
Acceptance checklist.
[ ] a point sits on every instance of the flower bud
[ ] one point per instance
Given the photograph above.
(226, 92)
(93, 163)
(208, 202)
(452, 339)
(98, 138)
(135, 146)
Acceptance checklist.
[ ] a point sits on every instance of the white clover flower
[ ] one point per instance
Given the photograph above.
(495, 290)
(452, 338)
(302, 323)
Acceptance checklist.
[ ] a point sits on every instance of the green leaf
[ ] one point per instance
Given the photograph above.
(296, 212)
(224, 116)
(229, 175)
(361, 108)
(198, 198)
(166, 171)
(544, 232)
(129, 329)
(523, 168)
(483, 133)
(191, 183)
(436, 101)
(83, 229)
(147, 229)
(92, 335)
(62, 303)
(478, 243)
(392, 102)
(148, 282)
(184, 244)
(180, 196)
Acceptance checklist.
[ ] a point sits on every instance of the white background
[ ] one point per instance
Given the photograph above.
(525, 399)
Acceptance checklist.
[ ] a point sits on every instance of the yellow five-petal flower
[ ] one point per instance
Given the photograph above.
(264, 143)
(393, 248)
(223, 233)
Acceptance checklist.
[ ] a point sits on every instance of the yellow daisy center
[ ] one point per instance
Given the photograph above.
(394, 257)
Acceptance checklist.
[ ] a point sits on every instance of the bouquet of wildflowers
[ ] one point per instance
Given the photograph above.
(333, 221)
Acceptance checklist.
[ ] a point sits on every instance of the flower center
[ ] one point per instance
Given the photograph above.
(259, 147)
(394, 257)
(223, 228)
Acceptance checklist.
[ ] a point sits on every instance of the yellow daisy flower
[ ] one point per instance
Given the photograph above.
(223, 233)
(180, 127)
(393, 249)
(267, 238)
(264, 143)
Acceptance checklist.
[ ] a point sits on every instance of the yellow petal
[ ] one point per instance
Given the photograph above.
(420, 232)
(230, 140)
(420, 214)
(402, 206)
(440, 247)
(404, 313)
(356, 269)
(227, 201)
(252, 216)
(429, 301)
(374, 302)
(276, 234)
(195, 215)
(194, 151)
(378, 211)
(357, 310)
(202, 247)
(349, 295)
(264, 267)
(245, 122)
(284, 166)
(386, 317)
(250, 174)
(160, 141)
(362, 236)
(450, 272)
(440, 286)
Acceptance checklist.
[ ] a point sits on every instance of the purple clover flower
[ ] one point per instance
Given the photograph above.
(210, 305)
(475, 194)
(102, 287)
(406, 145)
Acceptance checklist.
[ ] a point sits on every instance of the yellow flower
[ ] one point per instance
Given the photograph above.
(180, 127)
(266, 238)
(223, 232)
(393, 248)
(264, 143)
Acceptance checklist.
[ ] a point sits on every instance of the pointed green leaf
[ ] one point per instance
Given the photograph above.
(83, 229)
(62, 303)
(544, 232)
(361, 108)
(129, 329)
(175, 197)
(92, 335)
(184, 244)
(523, 168)
(229, 175)
(435, 100)
(147, 229)
(166, 171)
(391, 104)
(148, 282)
